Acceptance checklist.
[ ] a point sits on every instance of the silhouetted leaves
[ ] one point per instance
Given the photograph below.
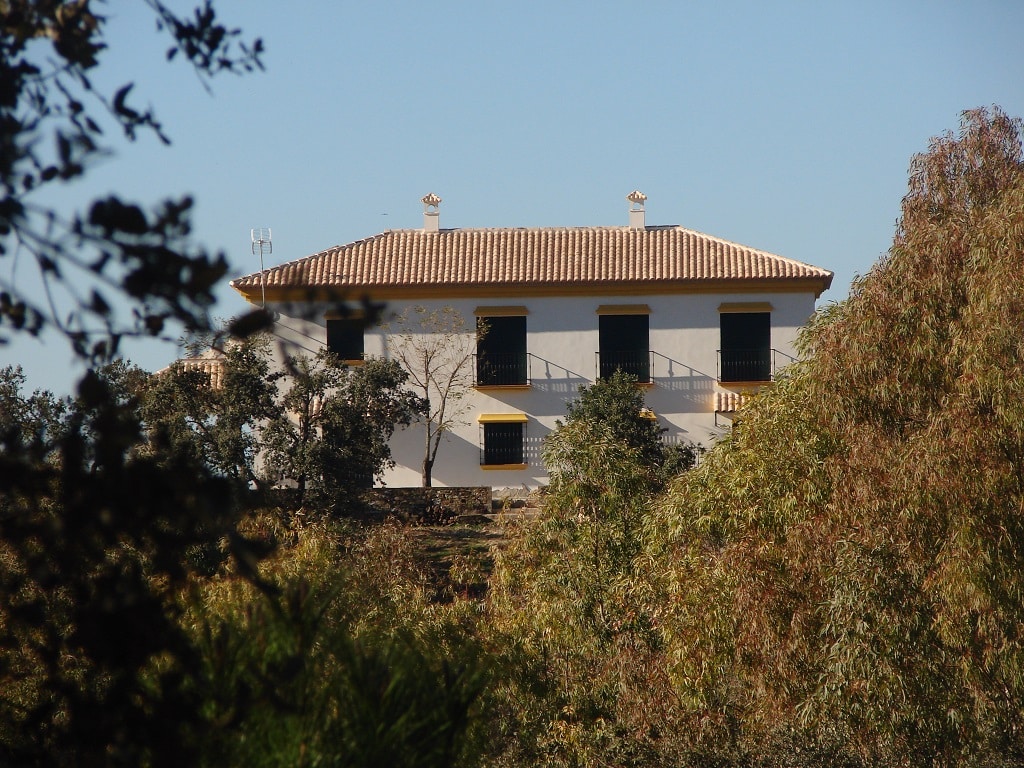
(50, 116)
(95, 533)
(251, 323)
(93, 546)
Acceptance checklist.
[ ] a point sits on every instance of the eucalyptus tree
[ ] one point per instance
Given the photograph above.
(848, 565)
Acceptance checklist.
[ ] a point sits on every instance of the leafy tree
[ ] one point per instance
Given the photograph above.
(618, 403)
(436, 348)
(363, 414)
(177, 411)
(847, 567)
(217, 420)
(33, 422)
(583, 660)
(335, 423)
(124, 383)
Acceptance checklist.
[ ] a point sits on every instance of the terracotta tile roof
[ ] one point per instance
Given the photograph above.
(539, 258)
(211, 362)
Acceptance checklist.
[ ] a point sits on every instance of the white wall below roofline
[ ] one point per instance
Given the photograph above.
(562, 340)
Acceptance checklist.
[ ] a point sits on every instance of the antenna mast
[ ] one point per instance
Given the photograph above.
(260, 240)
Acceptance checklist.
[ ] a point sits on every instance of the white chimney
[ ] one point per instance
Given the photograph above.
(431, 217)
(636, 200)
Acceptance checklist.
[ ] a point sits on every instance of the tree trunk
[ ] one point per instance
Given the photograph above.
(428, 461)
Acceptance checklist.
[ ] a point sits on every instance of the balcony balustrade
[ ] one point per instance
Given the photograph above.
(634, 362)
(502, 369)
(754, 365)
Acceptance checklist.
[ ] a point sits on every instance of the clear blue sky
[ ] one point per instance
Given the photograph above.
(786, 126)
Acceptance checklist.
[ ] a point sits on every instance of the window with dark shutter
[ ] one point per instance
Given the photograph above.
(502, 437)
(624, 344)
(746, 342)
(501, 351)
(503, 444)
(345, 337)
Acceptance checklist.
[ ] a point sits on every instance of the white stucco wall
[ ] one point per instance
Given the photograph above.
(562, 341)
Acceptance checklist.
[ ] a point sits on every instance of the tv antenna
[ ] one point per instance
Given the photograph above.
(260, 240)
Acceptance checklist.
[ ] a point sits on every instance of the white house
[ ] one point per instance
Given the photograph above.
(702, 322)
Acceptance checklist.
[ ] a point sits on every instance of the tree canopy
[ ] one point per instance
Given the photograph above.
(330, 435)
(848, 564)
(618, 404)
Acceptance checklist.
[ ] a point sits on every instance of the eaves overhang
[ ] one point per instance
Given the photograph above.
(340, 293)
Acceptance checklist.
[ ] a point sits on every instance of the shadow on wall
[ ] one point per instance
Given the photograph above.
(547, 376)
(458, 459)
(687, 384)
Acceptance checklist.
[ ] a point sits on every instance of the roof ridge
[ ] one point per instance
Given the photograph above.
(560, 228)
(736, 244)
(623, 227)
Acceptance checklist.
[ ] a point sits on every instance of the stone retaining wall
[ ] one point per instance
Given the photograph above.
(428, 506)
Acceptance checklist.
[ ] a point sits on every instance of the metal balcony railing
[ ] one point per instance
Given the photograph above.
(501, 369)
(638, 363)
(751, 364)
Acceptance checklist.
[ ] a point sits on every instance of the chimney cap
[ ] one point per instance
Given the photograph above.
(430, 212)
(637, 198)
(636, 209)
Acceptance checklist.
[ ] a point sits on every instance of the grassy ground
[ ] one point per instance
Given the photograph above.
(459, 555)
